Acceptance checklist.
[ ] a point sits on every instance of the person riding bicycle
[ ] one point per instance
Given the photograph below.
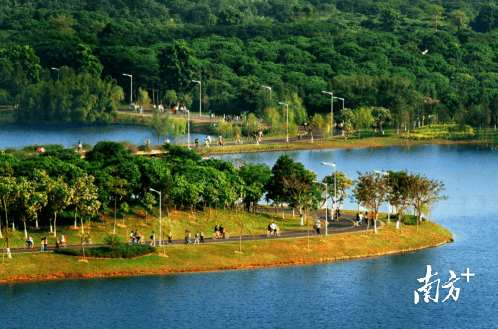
(220, 141)
(29, 242)
(273, 227)
(196, 141)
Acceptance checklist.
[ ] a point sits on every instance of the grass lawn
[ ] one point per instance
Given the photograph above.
(177, 224)
(191, 258)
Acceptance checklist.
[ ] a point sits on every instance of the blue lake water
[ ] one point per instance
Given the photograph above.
(20, 135)
(368, 293)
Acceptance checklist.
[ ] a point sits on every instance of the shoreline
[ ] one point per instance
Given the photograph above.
(344, 147)
(320, 254)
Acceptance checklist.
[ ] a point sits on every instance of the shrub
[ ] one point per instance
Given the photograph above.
(120, 251)
(455, 132)
(409, 220)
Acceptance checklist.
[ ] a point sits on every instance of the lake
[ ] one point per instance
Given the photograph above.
(21, 135)
(368, 293)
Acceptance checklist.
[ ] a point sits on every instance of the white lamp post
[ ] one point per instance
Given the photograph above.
(131, 87)
(268, 88)
(200, 95)
(342, 99)
(326, 207)
(160, 222)
(335, 183)
(287, 125)
(331, 110)
(388, 204)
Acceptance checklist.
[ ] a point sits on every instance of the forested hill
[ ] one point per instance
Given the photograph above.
(412, 57)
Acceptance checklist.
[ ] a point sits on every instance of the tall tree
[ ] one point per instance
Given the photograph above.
(59, 196)
(293, 184)
(425, 194)
(371, 192)
(177, 66)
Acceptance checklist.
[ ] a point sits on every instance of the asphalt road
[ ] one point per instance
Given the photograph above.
(345, 225)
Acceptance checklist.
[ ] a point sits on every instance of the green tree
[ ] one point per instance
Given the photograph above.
(117, 187)
(342, 184)
(9, 192)
(292, 183)
(30, 201)
(59, 196)
(381, 115)
(425, 193)
(459, 19)
(177, 66)
(84, 197)
(370, 191)
(255, 177)
(170, 97)
(436, 13)
(400, 195)
(148, 201)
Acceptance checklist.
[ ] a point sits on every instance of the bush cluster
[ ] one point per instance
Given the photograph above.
(121, 251)
(454, 132)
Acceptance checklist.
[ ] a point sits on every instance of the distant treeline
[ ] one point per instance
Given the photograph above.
(415, 58)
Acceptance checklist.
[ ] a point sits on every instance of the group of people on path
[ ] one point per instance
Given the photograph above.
(359, 218)
(199, 237)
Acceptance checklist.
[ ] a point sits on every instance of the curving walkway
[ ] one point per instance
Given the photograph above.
(346, 224)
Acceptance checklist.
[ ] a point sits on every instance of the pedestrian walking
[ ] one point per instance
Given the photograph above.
(153, 239)
(338, 214)
(317, 228)
(202, 236)
(360, 216)
(42, 244)
(357, 219)
(170, 236)
(186, 236)
(45, 243)
(196, 237)
(57, 242)
(189, 236)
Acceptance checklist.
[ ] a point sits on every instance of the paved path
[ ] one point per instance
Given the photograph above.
(345, 225)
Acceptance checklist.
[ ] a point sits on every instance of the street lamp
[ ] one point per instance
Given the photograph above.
(335, 182)
(342, 99)
(268, 88)
(326, 206)
(331, 110)
(200, 89)
(287, 125)
(160, 222)
(388, 204)
(131, 87)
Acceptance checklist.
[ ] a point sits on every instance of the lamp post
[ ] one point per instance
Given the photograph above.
(326, 207)
(268, 88)
(342, 99)
(388, 204)
(287, 125)
(160, 222)
(335, 182)
(331, 110)
(131, 87)
(200, 94)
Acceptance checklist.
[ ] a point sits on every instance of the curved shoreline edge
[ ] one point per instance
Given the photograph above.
(279, 261)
